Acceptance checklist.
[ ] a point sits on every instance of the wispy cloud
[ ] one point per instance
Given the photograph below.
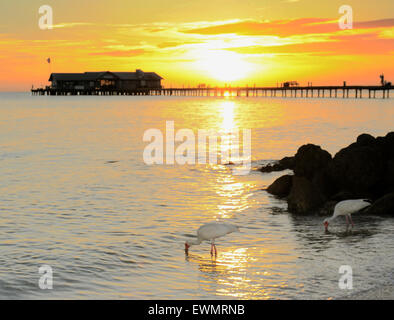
(336, 46)
(285, 28)
(120, 53)
(71, 25)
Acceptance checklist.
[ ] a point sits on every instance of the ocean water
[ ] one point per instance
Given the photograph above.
(75, 194)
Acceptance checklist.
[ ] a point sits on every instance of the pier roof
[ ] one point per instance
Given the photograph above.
(92, 76)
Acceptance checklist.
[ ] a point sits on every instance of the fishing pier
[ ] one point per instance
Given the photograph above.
(358, 92)
(138, 83)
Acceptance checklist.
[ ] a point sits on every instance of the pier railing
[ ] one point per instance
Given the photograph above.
(281, 92)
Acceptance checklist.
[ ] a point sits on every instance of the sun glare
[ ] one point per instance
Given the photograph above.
(224, 65)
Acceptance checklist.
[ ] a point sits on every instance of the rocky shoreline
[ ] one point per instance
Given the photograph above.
(364, 169)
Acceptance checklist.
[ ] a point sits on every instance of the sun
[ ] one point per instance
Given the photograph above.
(223, 65)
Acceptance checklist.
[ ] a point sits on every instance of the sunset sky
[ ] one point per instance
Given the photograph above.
(188, 42)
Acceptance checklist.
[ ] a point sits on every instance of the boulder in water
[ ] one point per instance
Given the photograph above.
(310, 159)
(281, 187)
(383, 206)
(304, 196)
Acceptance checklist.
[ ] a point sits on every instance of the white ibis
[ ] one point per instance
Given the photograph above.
(211, 231)
(346, 208)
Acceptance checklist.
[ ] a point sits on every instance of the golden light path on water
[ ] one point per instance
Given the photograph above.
(229, 270)
(77, 195)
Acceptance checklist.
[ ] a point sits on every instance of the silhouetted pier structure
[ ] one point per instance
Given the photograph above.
(357, 92)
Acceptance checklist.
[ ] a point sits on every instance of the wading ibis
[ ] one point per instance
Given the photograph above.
(209, 232)
(346, 208)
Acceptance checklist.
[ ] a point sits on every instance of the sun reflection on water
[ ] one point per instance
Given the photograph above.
(227, 273)
(226, 108)
(234, 196)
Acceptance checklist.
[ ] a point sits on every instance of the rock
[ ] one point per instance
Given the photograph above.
(283, 164)
(359, 169)
(281, 187)
(383, 206)
(390, 136)
(287, 162)
(310, 159)
(272, 167)
(388, 146)
(304, 196)
(324, 182)
(390, 176)
(364, 169)
(365, 139)
(342, 195)
(327, 209)
(312, 183)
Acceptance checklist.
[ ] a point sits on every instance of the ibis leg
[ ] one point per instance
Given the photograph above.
(351, 220)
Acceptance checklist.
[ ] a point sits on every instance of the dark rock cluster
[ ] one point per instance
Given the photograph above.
(364, 169)
(285, 163)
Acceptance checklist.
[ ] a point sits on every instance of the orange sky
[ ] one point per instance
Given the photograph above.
(190, 42)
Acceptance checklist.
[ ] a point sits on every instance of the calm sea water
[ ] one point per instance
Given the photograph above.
(75, 194)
